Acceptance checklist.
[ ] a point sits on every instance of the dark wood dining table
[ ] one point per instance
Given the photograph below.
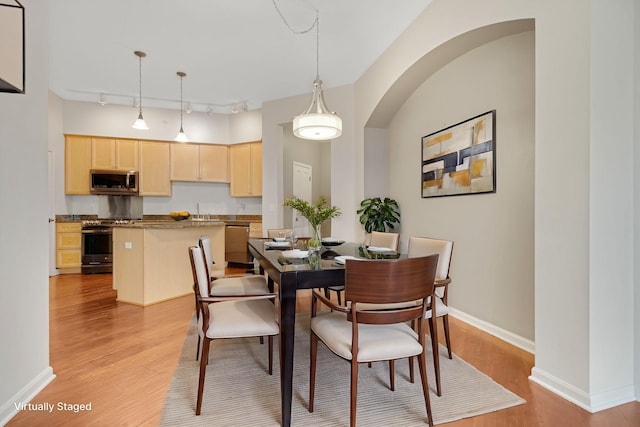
(291, 276)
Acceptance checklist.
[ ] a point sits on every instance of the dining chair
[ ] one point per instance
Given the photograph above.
(243, 284)
(279, 232)
(437, 308)
(229, 316)
(385, 240)
(368, 335)
(378, 239)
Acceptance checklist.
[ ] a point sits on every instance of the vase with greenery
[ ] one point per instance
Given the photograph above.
(377, 214)
(316, 214)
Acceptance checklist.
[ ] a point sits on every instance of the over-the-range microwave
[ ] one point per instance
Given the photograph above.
(114, 182)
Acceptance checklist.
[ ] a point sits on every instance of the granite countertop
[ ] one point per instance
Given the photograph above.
(164, 220)
(171, 224)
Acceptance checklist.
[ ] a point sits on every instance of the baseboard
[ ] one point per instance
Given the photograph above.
(513, 339)
(591, 403)
(9, 409)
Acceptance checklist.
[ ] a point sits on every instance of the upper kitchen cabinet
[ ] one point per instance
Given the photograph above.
(155, 167)
(110, 153)
(199, 162)
(245, 162)
(77, 164)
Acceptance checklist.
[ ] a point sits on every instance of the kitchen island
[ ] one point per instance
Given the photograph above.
(151, 261)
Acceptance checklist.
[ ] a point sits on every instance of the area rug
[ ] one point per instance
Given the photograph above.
(240, 392)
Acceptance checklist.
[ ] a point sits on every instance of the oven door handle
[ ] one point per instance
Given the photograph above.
(97, 232)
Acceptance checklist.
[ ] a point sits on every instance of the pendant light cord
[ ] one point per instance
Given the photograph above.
(181, 108)
(140, 80)
(315, 23)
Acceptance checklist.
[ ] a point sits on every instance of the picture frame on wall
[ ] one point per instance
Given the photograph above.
(12, 43)
(460, 159)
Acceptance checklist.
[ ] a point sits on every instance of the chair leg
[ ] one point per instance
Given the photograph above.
(433, 330)
(312, 369)
(445, 323)
(412, 378)
(392, 375)
(203, 371)
(339, 297)
(425, 387)
(198, 347)
(270, 339)
(354, 392)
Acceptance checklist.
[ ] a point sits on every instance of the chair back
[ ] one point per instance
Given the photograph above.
(205, 244)
(385, 240)
(389, 282)
(199, 270)
(279, 232)
(422, 246)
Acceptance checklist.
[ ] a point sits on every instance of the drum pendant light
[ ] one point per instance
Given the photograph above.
(140, 123)
(181, 135)
(317, 122)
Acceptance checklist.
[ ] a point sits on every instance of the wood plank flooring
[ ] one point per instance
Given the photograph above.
(121, 357)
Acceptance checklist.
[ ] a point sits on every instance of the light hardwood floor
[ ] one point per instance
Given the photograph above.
(120, 358)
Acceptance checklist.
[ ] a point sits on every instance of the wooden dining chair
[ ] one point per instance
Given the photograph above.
(279, 232)
(220, 285)
(378, 239)
(228, 316)
(437, 308)
(369, 334)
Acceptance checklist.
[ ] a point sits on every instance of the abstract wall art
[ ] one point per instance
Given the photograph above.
(460, 159)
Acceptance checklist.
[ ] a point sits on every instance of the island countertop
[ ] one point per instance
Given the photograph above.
(187, 223)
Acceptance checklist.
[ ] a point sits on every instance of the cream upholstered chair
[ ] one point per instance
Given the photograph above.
(279, 232)
(362, 336)
(378, 239)
(385, 240)
(423, 246)
(220, 285)
(228, 316)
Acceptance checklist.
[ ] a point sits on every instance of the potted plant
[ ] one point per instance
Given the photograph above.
(316, 214)
(379, 215)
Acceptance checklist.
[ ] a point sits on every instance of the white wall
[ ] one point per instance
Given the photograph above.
(493, 233)
(611, 175)
(636, 198)
(84, 118)
(24, 287)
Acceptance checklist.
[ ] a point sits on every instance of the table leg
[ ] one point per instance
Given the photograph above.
(287, 295)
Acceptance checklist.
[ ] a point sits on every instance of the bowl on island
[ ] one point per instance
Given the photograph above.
(179, 216)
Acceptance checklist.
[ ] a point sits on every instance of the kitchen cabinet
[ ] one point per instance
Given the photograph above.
(110, 153)
(77, 164)
(199, 162)
(245, 164)
(155, 168)
(255, 230)
(69, 246)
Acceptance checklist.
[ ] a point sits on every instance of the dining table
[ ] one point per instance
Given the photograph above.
(292, 274)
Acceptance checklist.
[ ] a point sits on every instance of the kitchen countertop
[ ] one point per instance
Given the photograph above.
(187, 223)
(242, 220)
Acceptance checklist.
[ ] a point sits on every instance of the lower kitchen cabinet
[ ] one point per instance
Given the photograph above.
(69, 247)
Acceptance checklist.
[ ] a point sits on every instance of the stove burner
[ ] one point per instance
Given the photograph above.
(104, 222)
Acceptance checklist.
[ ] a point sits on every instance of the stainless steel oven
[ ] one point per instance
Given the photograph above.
(97, 248)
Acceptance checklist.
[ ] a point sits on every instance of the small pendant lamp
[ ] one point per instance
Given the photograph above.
(140, 123)
(182, 137)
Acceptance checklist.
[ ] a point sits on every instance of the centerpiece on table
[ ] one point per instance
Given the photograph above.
(316, 214)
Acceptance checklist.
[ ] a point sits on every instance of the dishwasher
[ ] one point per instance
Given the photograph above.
(236, 240)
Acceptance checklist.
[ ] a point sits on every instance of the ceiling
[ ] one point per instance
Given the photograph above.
(232, 51)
